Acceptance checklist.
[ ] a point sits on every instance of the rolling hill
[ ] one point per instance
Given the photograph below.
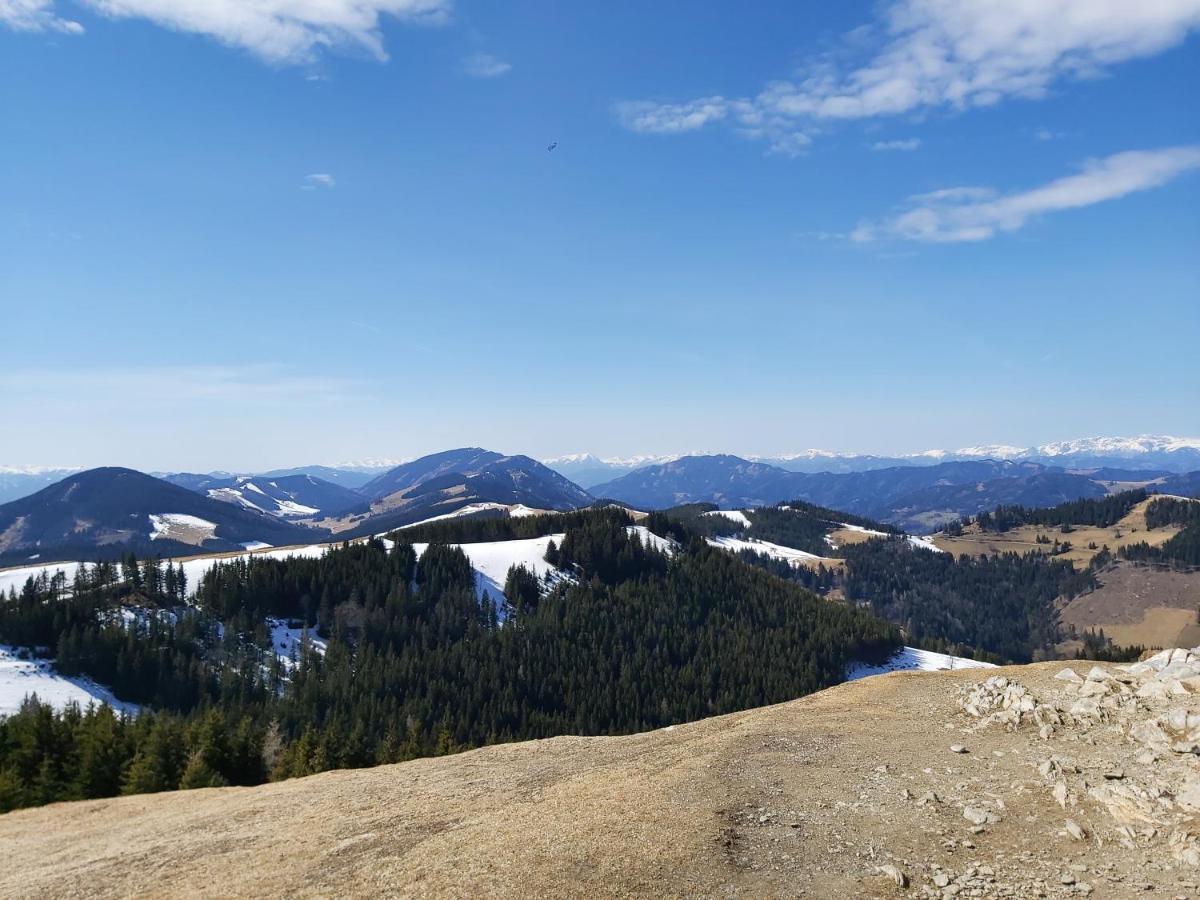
(283, 496)
(454, 480)
(109, 511)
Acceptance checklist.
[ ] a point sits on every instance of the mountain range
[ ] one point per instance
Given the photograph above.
(110, 511)
(1172, 454)
(104, 512)
(918, 499)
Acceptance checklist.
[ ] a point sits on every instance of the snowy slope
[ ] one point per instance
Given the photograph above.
(736, 515)
(15, 579)
(20, 678)
(652, 540)
(491, 561)
(910, 659)
(180, 527)
(766, 548)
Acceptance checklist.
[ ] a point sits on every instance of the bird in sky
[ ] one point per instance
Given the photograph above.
(553, 144)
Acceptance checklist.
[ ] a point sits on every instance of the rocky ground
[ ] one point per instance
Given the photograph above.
(1035, 781)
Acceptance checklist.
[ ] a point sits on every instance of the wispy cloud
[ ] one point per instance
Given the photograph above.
(930, 54)
(672, 118)
(485, 65)
(979, 213)
(246, 384)
(318, 180)
(279, 31)
(35, 15)
(906, 145)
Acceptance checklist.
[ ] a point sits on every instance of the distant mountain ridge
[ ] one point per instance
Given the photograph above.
(109, 511)
(1173, 454)
(446, 482)
(283, 496)
(916, 498)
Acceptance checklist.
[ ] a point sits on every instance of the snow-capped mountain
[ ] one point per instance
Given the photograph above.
(587, 470)
(1144, 452)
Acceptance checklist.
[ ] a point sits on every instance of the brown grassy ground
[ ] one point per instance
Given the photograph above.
(1140, 605)
(806, 798)
(1130, 530)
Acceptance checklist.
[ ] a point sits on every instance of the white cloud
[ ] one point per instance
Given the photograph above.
(931, 54)
(35, 15)
(280, 31)
(318, 180)
(976, 214)
(671, 118)
(484, 65)
(906, 145)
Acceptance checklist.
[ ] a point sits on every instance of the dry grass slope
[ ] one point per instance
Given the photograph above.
(817, 797)
(1130, 530)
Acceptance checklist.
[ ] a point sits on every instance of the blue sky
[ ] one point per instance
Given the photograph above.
(269, 233)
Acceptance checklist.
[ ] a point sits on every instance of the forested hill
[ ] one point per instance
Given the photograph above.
(628, 638)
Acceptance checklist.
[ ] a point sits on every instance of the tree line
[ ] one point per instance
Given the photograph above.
(416, 663)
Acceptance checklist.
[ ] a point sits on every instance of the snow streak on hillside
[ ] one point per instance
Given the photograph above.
(766, 548)
(910, 659)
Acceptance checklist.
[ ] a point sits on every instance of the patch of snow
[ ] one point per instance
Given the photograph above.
(860, 530)
(255, 545)
(520, 511)
(169, 525)
(370, 464)
(994, 451)
(232, 495)
(491, 561)
(469, 509)
(924, 543)
(766, 548)
(292, 508)
(251, 486)
(196, 568)
(16, 578)
(139, 616)
(287, 641)
(910, 659)
(20, 678)
(737, 515)
(652, 540)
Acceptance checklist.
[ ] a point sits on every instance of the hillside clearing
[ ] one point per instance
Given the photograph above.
(1130, 530)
